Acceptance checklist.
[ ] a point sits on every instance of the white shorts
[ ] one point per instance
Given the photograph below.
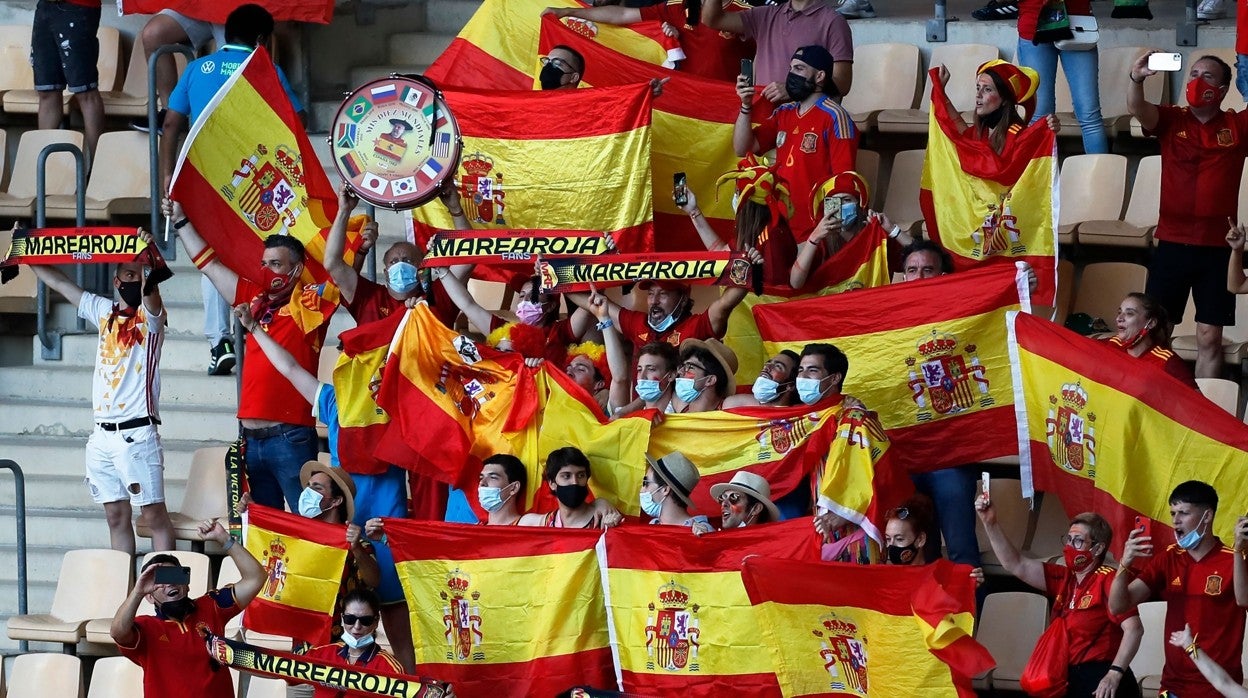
(127, 464)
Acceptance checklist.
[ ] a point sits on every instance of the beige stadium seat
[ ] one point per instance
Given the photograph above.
(867, 164)
(46, 675)
(494, 296)
(1138, 223)
(1234, 345)
(1092, 189)
(1065, 289)
(19, 295)
(1148, 661)
(1013, 514)
(901, 202)
(888, 77)
(1234, 100)
(18, 200)
(115, 677)
(131, 100)
(92, 584)
(327, 360)
(266, 687)
(122, 188)
(1049, 523)
(1103, 285)
(15, 71)
(1115, 63)
(26, 101)
(1009, 626)
(1221, 392)
(962, 61)
(204, 498)
(97, 629)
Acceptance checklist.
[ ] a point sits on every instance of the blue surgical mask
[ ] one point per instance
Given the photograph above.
(403, 277)
(809, 390)
(355, 644)
(649, 390)
(310, 503)
(1191, 539)
(651, 507)
(686, 389)
(849, 214)
(765, 389)
(491, 498)
(664, 323)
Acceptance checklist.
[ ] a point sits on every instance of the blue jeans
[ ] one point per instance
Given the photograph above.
(953, 492)
(216, 312)
(1241, 74)
(274, 462)
(1081, 72)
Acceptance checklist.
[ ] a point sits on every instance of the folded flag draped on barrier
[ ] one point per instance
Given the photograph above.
(681, 622)
(303, 560)
(248, 168)
(319, 11)
(520, 247)
(936, 372)
(982, 206)
(847, 630)
(569, 274)
(82, 246)
(512, 612)
(586, 170)
(1115, 435)
(357, 378)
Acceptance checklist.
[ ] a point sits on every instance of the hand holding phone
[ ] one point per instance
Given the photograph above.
(1143, 527)
(984, 485)
(1167, 62)
(680, 189)
(747, 69)
(166, 574)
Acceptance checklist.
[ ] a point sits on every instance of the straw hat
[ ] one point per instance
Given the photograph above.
(750, 484)
(340, 477)
(678, 473)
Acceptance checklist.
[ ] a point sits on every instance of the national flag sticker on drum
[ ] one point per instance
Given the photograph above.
(403, 187)
(359, 109)
(375, 183)
(384, 94)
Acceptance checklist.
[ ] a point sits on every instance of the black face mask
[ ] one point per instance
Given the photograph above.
(550, 77)
(902, 554)
(131, 292)
(571, 496)
(798, 87)
(178, 609)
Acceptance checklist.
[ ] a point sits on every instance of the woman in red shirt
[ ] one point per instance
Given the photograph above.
(1144, 332)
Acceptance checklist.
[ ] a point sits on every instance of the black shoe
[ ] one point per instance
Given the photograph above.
(997, 9)
(141, 124)
(223, 359)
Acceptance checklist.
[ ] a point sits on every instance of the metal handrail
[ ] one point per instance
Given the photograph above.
(51, 341)
(167, 248)
(370, 262)
(19, 484)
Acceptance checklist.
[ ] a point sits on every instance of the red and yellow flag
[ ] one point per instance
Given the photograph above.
(521, 168)
(983, 206)
(840, 629)
(681, 622)
(303, 560)
(937, 372)
(1115, 435)
(508, 612)
(861, 477)
(319, 11)
(357, 378)
(247, 167)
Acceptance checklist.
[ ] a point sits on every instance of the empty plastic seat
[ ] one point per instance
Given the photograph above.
(962, 61)
(1049, 524)
(18, 201)
(15, 72)
(266, 687)
(1151, 657)
(1013, 515)
(901, 202)
(46, 675)
(1103, 285)
(92, 584)
(115, 677)
(1009, 627)
(204, 497)
(97, 630)
(1115, 64)
(891, 75)
(1092, 189)
(1140, 220)
(1221, 392)
(1183, 336)
(867, 164)
(123, 187)
(26, 101)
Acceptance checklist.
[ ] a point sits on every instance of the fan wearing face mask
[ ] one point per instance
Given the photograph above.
(1100, 643)
(666, 490)
(655, 377)
(775, 385)
(1203, 582)
(567, 476)
(906, 531)
(1143, 332)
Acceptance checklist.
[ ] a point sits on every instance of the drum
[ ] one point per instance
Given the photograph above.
(395, 142)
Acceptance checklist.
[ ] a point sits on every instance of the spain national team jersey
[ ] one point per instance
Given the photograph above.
(126, 381)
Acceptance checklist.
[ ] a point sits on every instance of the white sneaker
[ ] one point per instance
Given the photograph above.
(858, 9)
(1211, 9)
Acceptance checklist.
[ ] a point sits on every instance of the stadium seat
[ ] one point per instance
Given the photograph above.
(1065, 290)
(1115, 63)
(1137, 225)
(97, 629)
(15, 72)
(1148, 661)
(1013, 514)
(962, 61)
(1048, 524)
(266, 687)
(203, 499)
(122, 188)
(26, 101)
(892, 71)
(494, 296)
(1103, 285)
(131, 100)
(901, 203)
(18, 295)
(115, 677)
(867, 164)
(1183, 336)
(46, 675)
(328, 359)
(1221, 392)
(18, 200)
(92, 584)
(1092, 189)
(1009, 626)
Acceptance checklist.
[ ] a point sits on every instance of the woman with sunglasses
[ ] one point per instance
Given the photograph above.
(905, 533)
(1101, 645)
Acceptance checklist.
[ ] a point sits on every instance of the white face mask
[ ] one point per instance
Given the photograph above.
(356, 643)
(310, 503)
(809, 390)
(650, 506)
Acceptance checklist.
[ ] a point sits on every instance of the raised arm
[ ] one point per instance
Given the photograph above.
(344, 275)
(608, 14)
(1128, 591)
(1236, 282)
(58, 281)
(365, 558)
(942, 74)
(1028, 570)
(1213, 673)
(457, 289)
(221, 276)
(581, 300)
(307, 384)
(252, 574)
(713, 16)
(709, 238)
(809, 249)
(617, 358)
(743, 139)
(1143, 110)
(719, 311)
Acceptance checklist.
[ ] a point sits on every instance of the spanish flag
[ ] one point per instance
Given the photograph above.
(983, 206)
(247, 171)
(861, 477)
(303, 560)
(867, 630)
(681, 621)
(498, 47)
(931, 358)
(450, 399)
(318, 11)
(1115, 435)
(357, 378)
(588, 169)
(504, 611)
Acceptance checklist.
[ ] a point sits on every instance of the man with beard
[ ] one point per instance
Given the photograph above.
(168, 645)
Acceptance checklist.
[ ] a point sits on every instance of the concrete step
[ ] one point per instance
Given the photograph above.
(177, 387)
(418, 48)
(66, 528)
(367, 73)
(184, 351)
(73, 418)
(450, 16)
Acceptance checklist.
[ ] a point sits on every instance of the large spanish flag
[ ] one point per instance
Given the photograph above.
(304, 560)
(498, 48)
(247, 171)
(861, 477)
(868, 630)
(588, 169)
(504, 611)
(450, 400)
(357, 378)
(1115, 435)
(319, 11)
(982, 206)
(931, 358)
(681, 622)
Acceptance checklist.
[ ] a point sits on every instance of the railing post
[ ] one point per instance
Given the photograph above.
(49, 339)
(370, 262)
(936, 29)
(1185, 30)
(19, 514)
(166, 246)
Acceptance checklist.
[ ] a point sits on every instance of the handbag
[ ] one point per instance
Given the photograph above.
(1045, 673)
(1086, 34)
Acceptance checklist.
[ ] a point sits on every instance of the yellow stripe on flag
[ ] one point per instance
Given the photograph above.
(296, 562)
(950, 629)
(359, 377)
(674, 151)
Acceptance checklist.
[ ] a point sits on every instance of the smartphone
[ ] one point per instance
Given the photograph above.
(1168, 62)
(173, 575)
(680, 190)
(832, 206)
(747, 69)
(984, 481)
(1144, 526)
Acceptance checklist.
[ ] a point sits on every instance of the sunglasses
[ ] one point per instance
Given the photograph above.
(349, 619)
(559, 63)
(731, 497)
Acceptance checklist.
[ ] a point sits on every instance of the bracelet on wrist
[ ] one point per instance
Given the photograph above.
(1115, 667)
(178, 225)
(695, 213)
(1131, 77)
(605, 324)
(745, 109)
(229, 543)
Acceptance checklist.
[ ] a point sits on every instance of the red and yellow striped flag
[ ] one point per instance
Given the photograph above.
(504, 611)
(848, 630)
(357, 378)
(681, 622)
(319, 11)
(304, 560)
(937, 372)
(248, 168)
(1115, 435)
(982, 206)
(861, 477)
